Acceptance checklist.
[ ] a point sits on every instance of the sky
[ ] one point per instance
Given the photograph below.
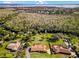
(39, 2)
(56, 3)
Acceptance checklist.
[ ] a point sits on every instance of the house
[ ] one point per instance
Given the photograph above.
(1, 42)
(39, 47)
(13, 46)
(60, 49)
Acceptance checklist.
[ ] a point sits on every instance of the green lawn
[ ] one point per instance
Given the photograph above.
(58, 42)
(75, 42)
(45, 55)
(43, 39)
(59, 56)
(40, 38)
(4, 52)
(39, 55)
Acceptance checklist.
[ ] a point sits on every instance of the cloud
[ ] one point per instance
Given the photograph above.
(7, 2)
(40, 2)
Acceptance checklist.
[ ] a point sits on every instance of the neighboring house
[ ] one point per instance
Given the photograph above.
(1, 42)
(60, 49)
(13, 46)
(40, 48)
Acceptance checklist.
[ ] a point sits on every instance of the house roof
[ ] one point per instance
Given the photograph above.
(60, 49)
(13, 46)
(39, 47)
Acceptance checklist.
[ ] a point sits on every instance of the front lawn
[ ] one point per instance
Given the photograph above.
(39, 55)
(45, 55)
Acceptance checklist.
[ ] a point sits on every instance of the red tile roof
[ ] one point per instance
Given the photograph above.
(39, 47)
(60, 49)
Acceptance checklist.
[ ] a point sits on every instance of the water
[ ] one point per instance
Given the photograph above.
(33, 5)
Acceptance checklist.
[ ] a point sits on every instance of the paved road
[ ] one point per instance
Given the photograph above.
(27, 52)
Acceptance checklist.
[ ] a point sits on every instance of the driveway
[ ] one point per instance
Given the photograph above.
(27, 52)
(67, 42)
